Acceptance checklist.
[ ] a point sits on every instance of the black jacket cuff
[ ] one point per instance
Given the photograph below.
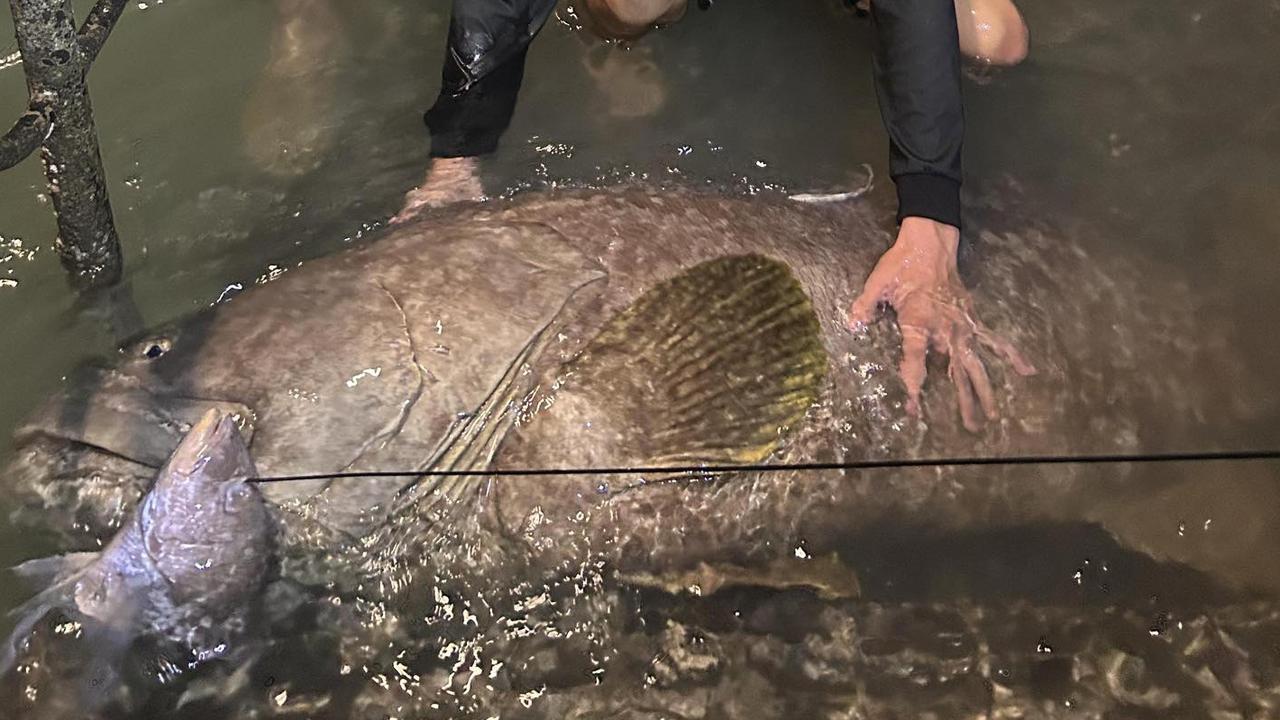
(461, 142)
(470, 122)
(929, 196)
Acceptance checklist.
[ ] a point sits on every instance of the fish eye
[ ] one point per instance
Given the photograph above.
(153, 348)
(239, 492)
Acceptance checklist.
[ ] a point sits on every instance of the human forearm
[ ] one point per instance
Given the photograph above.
(917, 73)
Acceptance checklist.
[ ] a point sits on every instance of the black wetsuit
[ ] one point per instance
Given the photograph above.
(917, 76)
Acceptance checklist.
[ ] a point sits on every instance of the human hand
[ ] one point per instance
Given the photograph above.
(448, 180)
(918, 278)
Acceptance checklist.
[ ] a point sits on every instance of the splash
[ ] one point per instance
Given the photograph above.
(12, 59)
(12, 252)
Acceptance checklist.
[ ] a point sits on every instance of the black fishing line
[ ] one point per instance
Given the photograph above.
(1143, 458)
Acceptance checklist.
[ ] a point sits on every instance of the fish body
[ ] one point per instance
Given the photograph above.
(632, 326)
(506, 335)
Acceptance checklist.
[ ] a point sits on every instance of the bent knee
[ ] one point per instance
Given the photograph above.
(1014, 43)
(630, 19)
(1010, 49)
(992, 31)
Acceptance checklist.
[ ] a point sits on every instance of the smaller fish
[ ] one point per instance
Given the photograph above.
(184, 572)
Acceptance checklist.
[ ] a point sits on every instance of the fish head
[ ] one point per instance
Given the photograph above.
(85, 458)
(211, 468)
(204, 524)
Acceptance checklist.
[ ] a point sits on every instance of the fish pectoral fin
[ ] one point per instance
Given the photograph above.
(49, 571)
(29, 614)
(57, 575)
(710, 366)
(89, 652)
(101, 643)
(827, 576)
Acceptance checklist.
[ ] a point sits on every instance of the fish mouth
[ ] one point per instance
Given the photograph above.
(121, 415)
(87, 455)
(204, 438)
(212, 450)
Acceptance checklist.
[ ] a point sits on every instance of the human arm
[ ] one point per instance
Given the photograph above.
(480, 83)
(917, 74)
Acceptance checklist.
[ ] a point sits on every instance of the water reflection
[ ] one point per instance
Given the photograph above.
(287, 120)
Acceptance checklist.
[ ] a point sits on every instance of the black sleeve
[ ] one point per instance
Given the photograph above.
(483, 69)
(917, 74)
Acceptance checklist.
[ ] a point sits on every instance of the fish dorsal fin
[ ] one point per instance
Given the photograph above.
(56, 576)
(710, 366)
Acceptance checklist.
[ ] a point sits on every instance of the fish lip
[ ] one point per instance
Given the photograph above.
(31, 435)
(211, 433)
(118, 413)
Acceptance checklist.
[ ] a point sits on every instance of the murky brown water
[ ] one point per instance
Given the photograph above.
(1146, 129)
